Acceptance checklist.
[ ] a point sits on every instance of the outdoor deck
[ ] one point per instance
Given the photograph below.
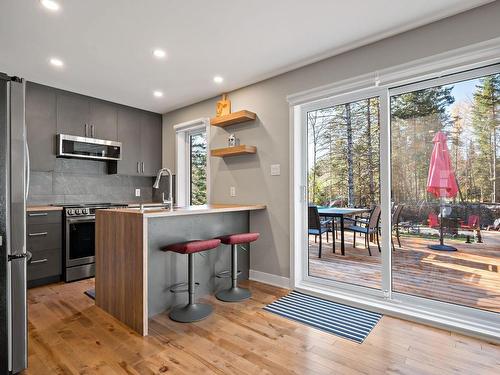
(469, 276)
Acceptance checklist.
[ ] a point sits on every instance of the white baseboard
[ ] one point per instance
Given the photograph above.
(268, 278)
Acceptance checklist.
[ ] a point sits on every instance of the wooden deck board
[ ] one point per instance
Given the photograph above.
(68, 334)
(469, 276)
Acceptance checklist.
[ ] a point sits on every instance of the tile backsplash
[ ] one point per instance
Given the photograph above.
(86, 181)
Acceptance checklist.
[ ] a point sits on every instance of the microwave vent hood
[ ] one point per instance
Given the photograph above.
(72, 146)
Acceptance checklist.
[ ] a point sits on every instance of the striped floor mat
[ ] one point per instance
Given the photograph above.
(341, 320)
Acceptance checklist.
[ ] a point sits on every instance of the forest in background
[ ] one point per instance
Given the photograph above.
(344, 145)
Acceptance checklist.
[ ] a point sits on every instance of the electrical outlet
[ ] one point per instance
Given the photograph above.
(137, 192)
(275, 169)
(232, 191)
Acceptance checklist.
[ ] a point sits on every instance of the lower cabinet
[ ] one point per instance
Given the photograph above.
(44, 242)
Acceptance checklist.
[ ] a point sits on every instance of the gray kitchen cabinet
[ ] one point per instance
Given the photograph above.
(73, 114)
(140, 134)
(103, 120)
(44, 242)
(129, 133)
(41, 126)
(151, 141)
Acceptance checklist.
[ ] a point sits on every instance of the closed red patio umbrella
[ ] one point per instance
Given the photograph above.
(441, 181)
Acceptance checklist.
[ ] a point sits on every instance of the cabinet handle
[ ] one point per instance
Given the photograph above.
(44, 260)
(92, 131)
(38, 234)
(86, 130)
(142, 167)
(38, 214)
(138, 167)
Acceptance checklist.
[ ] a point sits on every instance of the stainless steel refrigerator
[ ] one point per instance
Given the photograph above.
(14, 171)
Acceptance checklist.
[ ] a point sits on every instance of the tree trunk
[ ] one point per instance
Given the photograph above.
(370, 153)
(350, 172)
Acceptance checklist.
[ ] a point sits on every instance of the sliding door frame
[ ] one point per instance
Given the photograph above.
(441, 69)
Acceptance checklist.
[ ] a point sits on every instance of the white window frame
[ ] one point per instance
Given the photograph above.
(383, 84)
(182, 157)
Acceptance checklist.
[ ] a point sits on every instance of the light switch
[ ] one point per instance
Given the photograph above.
(275, 169)
(137, 192)
(232, 191)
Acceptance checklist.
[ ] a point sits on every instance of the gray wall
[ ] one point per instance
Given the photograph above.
(85, 181)
(270, 133)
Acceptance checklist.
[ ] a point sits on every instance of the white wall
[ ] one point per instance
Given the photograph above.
(270, 133)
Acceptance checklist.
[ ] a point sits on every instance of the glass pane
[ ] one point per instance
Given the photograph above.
(446, 192)
(198, 168)
(82, 240)
(344, 203)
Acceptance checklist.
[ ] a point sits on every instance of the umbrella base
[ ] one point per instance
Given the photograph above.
(442, 247)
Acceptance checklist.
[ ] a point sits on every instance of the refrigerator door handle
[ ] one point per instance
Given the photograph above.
(28, 173)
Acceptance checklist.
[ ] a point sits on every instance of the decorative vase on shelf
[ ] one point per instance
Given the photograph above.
(223, 106)
(231, 140)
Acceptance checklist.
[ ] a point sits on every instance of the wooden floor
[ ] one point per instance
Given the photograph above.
(68, 334)
(469, 276)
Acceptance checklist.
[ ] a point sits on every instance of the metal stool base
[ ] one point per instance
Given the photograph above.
(235, 294)
(190, 312)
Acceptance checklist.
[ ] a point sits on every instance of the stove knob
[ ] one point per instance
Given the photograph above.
(70, 212)
(86, 211)
(78, 211)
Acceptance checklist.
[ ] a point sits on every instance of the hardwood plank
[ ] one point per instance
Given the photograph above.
(233, 151)
(68, 334)
(233, 118)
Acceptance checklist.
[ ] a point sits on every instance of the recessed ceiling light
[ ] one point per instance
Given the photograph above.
(56, 62)
(159, 53)
(50, 5)
(218, 79)
(158, 94)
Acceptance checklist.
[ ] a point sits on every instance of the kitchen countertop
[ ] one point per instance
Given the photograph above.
(190, 210)
(43, 208)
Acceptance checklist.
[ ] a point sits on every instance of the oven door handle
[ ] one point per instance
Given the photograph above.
(87, 219)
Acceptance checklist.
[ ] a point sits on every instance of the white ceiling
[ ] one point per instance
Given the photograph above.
(107, 45)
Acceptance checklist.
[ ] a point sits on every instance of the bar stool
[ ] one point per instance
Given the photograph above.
(192, 312)
(235, 293)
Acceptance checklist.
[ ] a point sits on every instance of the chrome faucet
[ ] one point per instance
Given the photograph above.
(170, 200)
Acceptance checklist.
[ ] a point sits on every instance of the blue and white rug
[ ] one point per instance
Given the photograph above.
(341, 320)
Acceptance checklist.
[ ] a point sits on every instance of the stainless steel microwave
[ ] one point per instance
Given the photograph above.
(73, 146)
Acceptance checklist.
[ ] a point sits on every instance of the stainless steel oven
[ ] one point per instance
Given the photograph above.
(79, 240)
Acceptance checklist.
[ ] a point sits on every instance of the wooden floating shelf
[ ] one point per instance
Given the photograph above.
(233, 118)
(233, 151)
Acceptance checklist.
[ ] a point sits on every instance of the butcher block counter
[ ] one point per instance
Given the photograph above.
(133, 276)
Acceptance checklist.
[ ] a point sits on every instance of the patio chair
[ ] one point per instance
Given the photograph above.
(367, 228)
(473, 226)
(317, 227)
(433, 220)
(395, 223)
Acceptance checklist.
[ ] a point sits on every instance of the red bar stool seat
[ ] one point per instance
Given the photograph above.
(235, 293)
(192, 312)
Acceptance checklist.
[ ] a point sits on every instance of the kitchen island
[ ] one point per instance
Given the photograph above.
(134, 277)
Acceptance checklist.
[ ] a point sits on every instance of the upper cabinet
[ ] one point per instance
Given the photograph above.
(41, 126)
(129, 134)
(50, 111)
(151, 133)
(140, 133)
(73, 114)
(86, 117)
(103, 120)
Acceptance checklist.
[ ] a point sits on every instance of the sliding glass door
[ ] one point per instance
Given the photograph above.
(446, 189)
(400, 199)
(343, 190)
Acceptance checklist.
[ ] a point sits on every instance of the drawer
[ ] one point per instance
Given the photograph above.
(45, 263)
(44, 236)
(43, 217)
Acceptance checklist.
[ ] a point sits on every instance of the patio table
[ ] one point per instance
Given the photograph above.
(341, 213)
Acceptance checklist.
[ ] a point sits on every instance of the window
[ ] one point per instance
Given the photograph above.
(192, 168)
(197, 167)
